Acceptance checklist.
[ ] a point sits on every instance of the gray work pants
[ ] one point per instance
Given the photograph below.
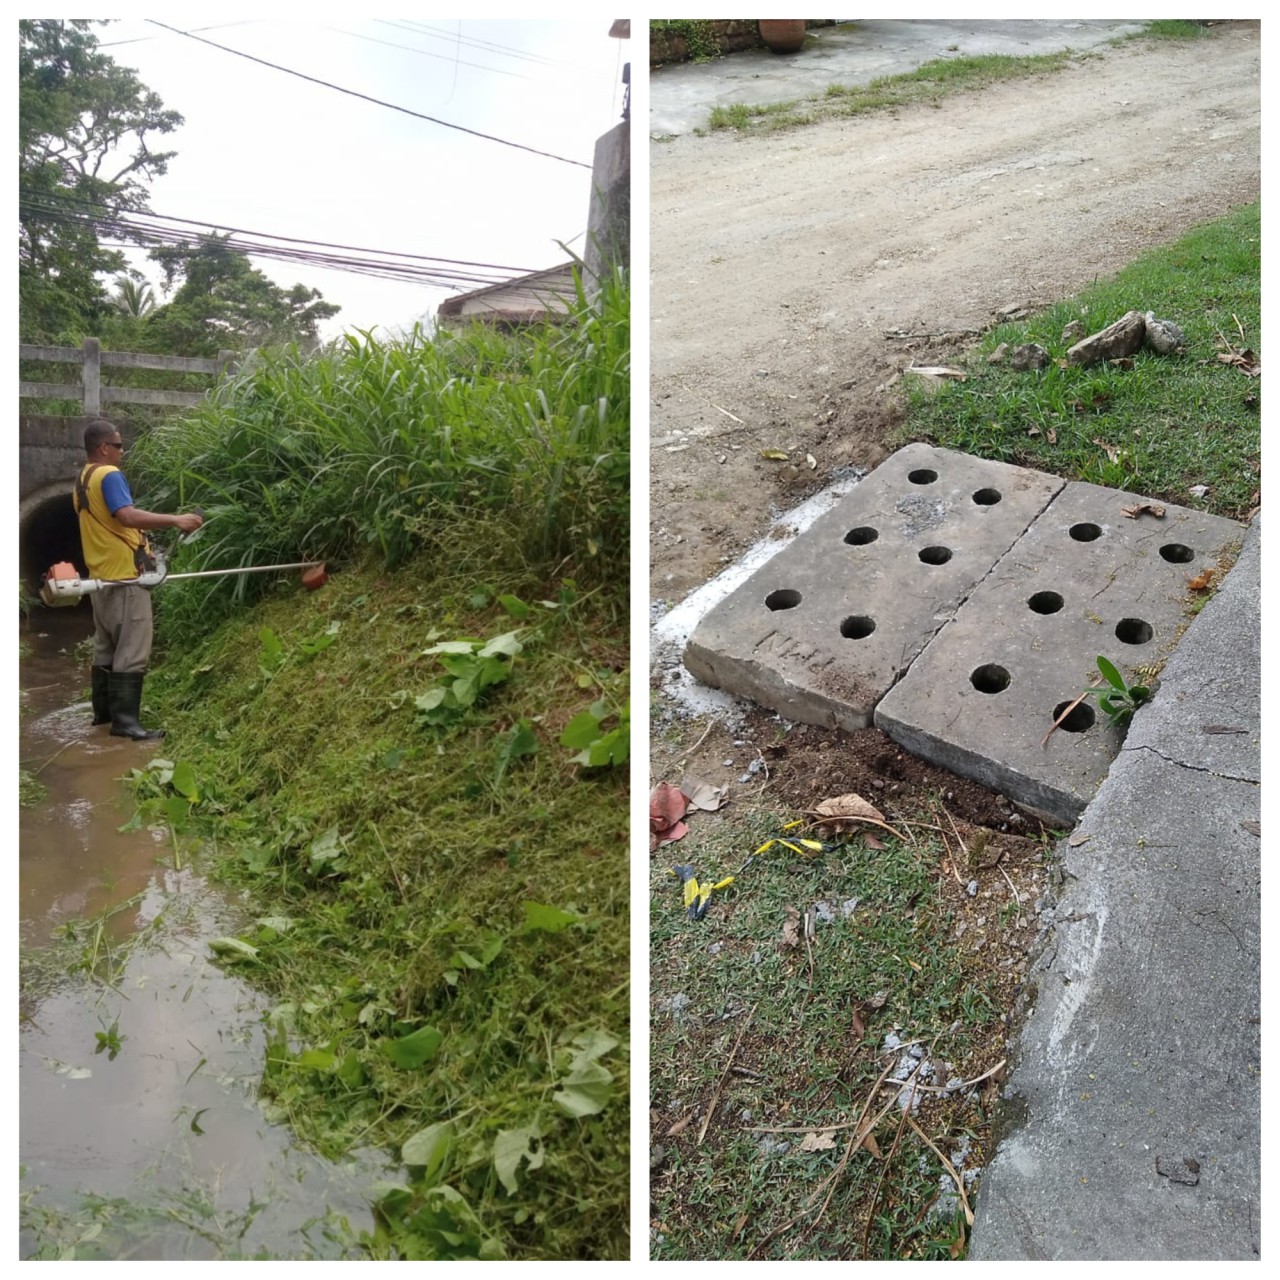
(122, 628)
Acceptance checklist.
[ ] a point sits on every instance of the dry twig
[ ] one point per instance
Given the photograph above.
(724, 1075)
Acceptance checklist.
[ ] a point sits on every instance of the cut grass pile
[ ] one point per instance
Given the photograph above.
(798, 1049)
(1153, 425)
(441, 910)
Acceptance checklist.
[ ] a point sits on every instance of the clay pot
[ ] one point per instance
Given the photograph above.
(782, 35)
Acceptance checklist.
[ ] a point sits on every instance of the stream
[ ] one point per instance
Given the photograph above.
(141, 1134)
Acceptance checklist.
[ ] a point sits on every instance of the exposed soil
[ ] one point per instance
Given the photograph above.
(781, 263)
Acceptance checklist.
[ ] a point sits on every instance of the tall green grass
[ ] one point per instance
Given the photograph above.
(387, 447)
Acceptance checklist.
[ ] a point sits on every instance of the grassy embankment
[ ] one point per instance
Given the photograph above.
(1154, 425)
(927, 84)
(776, 1175)
(439, 890)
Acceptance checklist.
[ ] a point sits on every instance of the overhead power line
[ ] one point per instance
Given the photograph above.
(475, 133)
(141, 227)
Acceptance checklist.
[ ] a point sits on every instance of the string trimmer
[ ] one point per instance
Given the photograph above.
(63, 584)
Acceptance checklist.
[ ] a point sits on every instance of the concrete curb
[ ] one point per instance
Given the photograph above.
(1131, 1119)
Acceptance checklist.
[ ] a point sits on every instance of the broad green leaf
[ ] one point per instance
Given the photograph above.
(279, 924)
(184, 782)
(233, 949)
(515, 607)
(585, 1091)
(326, 851)
(1110, 674)
(271, 654)
(549, 919)
(318, 1059)
(415, 1049)
(430, 700)
(505, 643)
(581, 731)
(594, 1044)
(451, 646)
(512, 1146)
(177, 810)
(428, 1147)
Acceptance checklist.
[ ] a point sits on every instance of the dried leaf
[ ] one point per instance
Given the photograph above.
(871, 842)
(1253, 828)
(1201, 581)
(742, 1222)
(774, 455)
(877, 1001)
(791, 929)
(859, 1027)
(680, 1126)
(1033, 431)
(1078, 839)
(817, 1142)
(812, 461)
(702, 795)
(1052, 435)
(869, 1144)
(1144, 509)
(1222, 728)
(850, 805)
(1112, 450)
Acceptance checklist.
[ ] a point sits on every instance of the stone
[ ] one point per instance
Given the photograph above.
(1030, 355)
(1123, 338)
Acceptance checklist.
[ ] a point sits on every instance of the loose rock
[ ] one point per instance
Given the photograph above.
(1031, 355)
(1117, 340)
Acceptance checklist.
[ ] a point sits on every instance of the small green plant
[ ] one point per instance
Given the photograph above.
(474, 665)
(596, 746)
(110, 1039)
(1119, 700)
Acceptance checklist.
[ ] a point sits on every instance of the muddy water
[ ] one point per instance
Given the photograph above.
(160, 1150)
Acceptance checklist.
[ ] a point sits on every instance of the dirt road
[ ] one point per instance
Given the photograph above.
(780, 262)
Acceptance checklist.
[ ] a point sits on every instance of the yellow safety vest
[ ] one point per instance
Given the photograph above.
(111, 550)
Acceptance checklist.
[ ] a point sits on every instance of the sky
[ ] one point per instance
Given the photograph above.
(267, 152)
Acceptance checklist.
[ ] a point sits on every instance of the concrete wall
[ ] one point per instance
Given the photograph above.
(609, 219)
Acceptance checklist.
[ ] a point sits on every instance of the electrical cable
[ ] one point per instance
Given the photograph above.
(475, 133)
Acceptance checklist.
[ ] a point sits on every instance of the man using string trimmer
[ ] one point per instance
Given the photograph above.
(113, 533)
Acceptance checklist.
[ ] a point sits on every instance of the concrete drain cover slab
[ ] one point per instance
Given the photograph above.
(822, 631)
(1084, 580)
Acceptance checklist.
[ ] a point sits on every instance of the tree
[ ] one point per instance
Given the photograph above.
(225, 303)
(133, 297)
(84, 130)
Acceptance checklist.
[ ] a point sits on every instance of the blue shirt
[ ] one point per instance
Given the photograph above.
(115, 491)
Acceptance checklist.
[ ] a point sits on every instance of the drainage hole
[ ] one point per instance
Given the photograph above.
(935, 555)
(860, 537)
(782, 599)
(1080, 719)
(1085, 532)
(857, 628)
(1176, 553)
(1045, 602)
(922, 476)
(990, 678)
(1133, 631)
(987, 497)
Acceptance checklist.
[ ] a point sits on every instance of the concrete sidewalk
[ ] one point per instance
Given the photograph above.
(1132, 1113)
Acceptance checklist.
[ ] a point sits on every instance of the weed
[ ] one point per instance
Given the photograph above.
(1120, 700)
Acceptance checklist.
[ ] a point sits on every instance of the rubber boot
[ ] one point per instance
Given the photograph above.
(100, 677)
(125, 689)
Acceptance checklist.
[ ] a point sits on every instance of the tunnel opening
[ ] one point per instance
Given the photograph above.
(48, 533)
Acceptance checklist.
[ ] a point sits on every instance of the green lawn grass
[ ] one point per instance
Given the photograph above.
(1155, 425)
